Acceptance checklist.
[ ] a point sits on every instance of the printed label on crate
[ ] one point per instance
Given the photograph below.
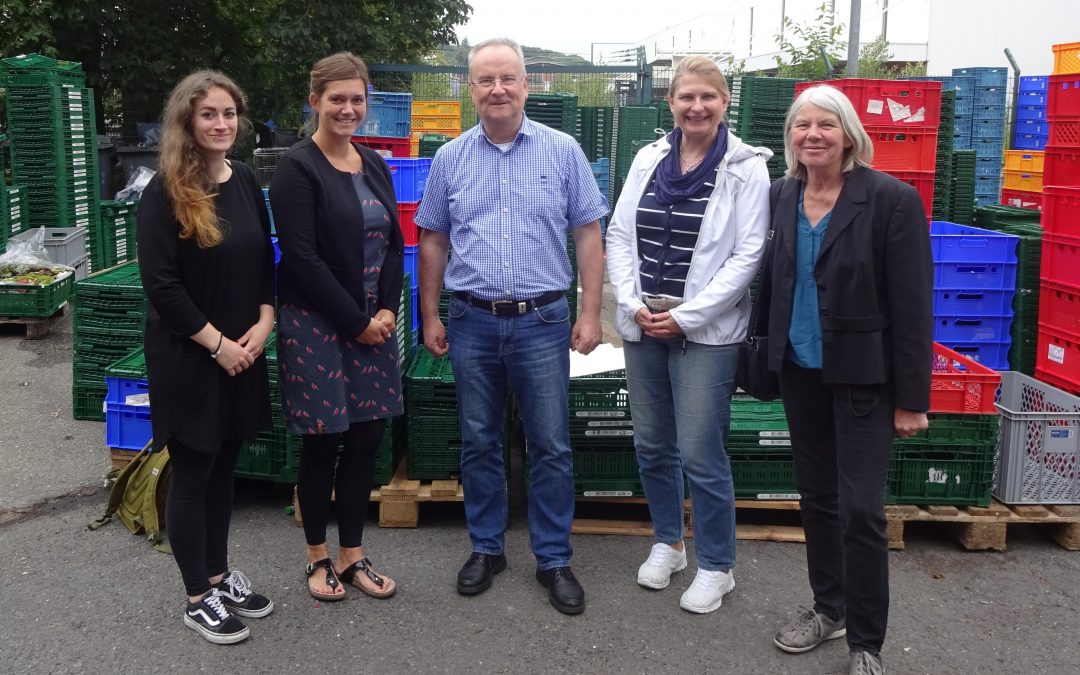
(1061, 433)
(137, 399)
(601, 413)
(779, 496)
(776, 442)
(614, 423)
(898, 111)
(875, 106)
(774, 434)
(607, 493)
(1056, 353)
(940, 476)
(609, 433)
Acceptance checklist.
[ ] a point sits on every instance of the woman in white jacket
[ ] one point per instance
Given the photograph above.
(684, 243)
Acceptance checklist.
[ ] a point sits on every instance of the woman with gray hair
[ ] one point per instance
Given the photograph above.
(848, 284)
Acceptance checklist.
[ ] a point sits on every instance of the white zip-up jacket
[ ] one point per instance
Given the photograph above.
(716, 304)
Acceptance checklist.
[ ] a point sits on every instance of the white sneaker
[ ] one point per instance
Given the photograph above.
(663, 561)
(707, 592)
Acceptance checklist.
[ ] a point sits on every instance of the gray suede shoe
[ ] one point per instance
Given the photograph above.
(808, 630)
(865, 663)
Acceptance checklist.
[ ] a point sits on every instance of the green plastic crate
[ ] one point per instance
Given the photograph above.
(941, 475)
(763, 476)
(272, 456)
(954, 430)
(35, 301)
(131, 367)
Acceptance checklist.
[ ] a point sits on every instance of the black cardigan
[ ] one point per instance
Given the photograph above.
(319, 227)
(874, 275)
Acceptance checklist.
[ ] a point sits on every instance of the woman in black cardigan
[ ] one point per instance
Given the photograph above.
(850, 334)
(339, 287)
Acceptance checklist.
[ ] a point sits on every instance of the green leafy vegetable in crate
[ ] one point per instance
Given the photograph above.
(29, 274)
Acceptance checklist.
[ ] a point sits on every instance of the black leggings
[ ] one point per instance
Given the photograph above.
(198, 512)
(352, 488)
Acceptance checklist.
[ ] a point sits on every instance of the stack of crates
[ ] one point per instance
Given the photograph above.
(943, 164)
(127, 403)
(595, 130)
(429, 144)
(962, 197)
(433, 117)
(1058, 355)
(273, 455)
(110, 310)
(974, 286)
(633, 124)
(53, 137)
(13, 212)
(988, 129)
(757, 112)
(1030, 133)
(389, 114)
(115, 242)
(759, 449)
(558, 111)
(410, 176)
(1023, 178)
(952, 462)
(901, 117)
(1022, 223)
(963, 88)
(602, 437)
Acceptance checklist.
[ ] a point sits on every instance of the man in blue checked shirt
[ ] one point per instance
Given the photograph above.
(502, 196)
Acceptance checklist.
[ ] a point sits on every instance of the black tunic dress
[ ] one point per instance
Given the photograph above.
(193, 399)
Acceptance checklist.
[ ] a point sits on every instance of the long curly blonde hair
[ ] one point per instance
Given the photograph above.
(188, 182)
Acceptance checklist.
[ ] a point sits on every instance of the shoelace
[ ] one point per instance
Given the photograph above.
(807, 620)
(703, 579)
(659, 556)
(238, 584)
(865, 663)
(213, 601)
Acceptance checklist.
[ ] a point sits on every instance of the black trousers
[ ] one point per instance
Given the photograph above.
(841, 439)
(198, 511)
(351, 487)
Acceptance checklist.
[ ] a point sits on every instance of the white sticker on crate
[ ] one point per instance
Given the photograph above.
(940, 476)
(142, 400)
(874, 106)
(608, 493)
(898, 111)
(1056, 353)
(779, 496)
(601, 413)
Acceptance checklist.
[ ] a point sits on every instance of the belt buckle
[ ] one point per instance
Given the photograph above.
(523, 307)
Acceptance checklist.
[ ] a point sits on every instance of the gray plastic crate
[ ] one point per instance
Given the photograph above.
(64, 245)
(1038, 454)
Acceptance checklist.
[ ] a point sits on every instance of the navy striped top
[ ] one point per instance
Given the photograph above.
(666, 239)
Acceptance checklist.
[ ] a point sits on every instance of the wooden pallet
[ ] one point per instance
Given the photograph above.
(119, 458)
(37, 327)
(399, 500)
(984, 529)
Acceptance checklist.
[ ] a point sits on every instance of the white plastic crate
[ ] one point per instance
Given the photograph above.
(1038, 454)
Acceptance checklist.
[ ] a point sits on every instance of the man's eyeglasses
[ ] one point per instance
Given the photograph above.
(506, 81)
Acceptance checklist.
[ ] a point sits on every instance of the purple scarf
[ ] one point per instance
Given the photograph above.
(673, 186)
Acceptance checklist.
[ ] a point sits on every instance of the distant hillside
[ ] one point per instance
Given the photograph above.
(457, 55)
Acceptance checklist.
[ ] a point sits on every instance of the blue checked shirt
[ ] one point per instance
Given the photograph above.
(508, 213)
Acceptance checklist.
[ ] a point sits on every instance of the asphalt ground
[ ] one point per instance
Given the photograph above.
(103, 601)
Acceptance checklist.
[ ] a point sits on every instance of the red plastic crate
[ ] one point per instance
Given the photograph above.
(871, 99)
(1061, 211)
(1059, 307)
(1057, 360)
(406, 218)
(1061, 166)
(1023, 198)
(923, 181)
(960, 385)
(1064, 133)
(397, 147)
(1063, 97)
(908, 149)
(1060, 260)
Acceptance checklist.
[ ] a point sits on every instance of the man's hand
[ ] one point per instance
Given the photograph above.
(587, 334)
(908, 423)
(435, 337)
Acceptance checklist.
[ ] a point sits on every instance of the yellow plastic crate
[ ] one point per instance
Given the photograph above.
(1066, 59)
(1021, 180)
(436, 108)
(439, 124)
(1028, 161)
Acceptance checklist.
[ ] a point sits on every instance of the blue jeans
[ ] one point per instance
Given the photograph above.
(530, 354)
(680, 401)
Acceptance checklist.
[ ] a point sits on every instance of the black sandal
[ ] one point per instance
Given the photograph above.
(348, 575)
(331, 580)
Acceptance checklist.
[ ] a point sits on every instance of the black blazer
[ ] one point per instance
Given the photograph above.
(318, 219)
(875, 278)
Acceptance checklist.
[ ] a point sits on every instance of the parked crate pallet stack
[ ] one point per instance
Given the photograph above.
(963, 88)
(632, 124)
(558, 111)
(758, 116)
(1030, 132)
(1022, 223)
(114, 242)
(596, 131)
(53, 140)
(433, 117)
(988, 129)
(1058, 352)
(1022, 180)
(943, 164)
(602, 437)
(902, 118)
(962, 197)
(110, 309)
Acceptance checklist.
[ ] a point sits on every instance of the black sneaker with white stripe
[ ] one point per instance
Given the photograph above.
(210, 619)
(235, 591)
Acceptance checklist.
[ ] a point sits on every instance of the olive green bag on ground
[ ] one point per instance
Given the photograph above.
(138, 497)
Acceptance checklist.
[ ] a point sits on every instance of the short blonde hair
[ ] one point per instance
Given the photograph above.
(832, 100)
(703, 67)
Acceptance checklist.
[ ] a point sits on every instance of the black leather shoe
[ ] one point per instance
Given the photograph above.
(564, 591)
(476, 575)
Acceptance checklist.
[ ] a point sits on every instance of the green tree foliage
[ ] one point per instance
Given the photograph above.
(874, 60)
(801, 46)
(134, 51)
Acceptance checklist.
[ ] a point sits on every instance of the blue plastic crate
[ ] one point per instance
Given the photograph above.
(952, 242)
(1023, 141)
(963, 106)
(972, 328)
(1031, 112)
(988, 128)
(988, 148)
(127, 426)
(415, 326)
(1034, 83)
(388, 114)
(985, 76)
(119, 388)
(986, 166)
(961, 142)
(994, 96)
(988, 185)
(1036, 127)
(973, 302)
(962, 125)
(990, 354)
(993, 113)
(410, 175)
(412, 261)
(1031, 98)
